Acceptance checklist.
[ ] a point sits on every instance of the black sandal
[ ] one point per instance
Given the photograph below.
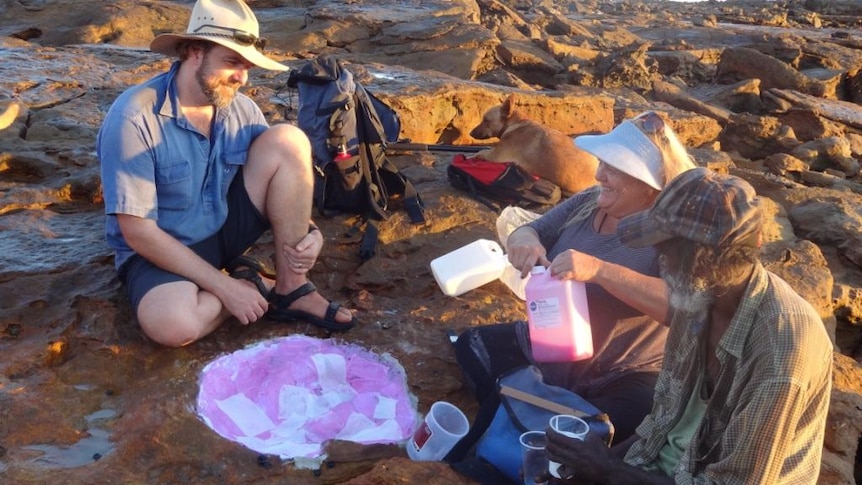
(250, 269)
(279, 309)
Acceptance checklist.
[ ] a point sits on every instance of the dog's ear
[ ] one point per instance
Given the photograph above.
(508, 106)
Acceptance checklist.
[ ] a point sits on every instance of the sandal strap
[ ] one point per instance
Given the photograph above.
(252, 275)
(331, 311)
(284, 301)
(250, 262)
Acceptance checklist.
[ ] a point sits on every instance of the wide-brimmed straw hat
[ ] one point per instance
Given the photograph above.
(229, 23)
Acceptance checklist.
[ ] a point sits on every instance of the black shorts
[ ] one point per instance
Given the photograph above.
(244, 225)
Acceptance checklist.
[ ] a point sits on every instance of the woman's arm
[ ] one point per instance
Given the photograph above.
(647, 294)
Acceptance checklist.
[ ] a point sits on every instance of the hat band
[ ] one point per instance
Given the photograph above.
(240, 36)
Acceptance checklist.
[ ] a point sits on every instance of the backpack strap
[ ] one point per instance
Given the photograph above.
(368, 245)
(385, 173)
(378, 196)
(411, 201)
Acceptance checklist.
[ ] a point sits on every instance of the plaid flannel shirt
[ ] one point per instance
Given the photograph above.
(766, 418)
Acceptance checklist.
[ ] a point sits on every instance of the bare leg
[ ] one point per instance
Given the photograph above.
(179, 313)
(279, 180)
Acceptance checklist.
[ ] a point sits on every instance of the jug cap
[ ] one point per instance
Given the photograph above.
(538, 270)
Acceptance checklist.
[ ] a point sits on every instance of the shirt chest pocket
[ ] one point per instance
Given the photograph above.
(174, 185)
(231, 162)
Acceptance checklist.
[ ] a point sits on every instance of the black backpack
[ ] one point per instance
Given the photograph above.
(349, 129)
(497, 184)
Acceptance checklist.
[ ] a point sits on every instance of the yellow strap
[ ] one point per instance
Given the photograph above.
(540, 402)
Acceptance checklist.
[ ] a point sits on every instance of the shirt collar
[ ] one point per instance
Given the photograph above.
(734, 339)
(169, 100)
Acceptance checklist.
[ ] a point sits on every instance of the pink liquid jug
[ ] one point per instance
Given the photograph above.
(558, 318)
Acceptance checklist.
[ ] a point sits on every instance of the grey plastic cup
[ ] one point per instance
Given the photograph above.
(534, 460)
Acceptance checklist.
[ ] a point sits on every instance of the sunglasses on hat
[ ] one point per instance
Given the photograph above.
(650, 122)
(240, 36)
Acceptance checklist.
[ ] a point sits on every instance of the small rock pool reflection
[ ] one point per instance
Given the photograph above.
(92, 447)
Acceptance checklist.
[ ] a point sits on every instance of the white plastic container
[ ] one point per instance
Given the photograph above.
(469, 267)
(443, 426)
(511, 277)
(558, 318)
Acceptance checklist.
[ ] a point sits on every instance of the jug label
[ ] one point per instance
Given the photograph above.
(545, 313)
(421, 436)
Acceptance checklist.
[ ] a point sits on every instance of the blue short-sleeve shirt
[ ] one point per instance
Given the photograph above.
(156, 165)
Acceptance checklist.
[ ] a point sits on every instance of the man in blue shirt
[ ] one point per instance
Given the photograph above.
(192, 175)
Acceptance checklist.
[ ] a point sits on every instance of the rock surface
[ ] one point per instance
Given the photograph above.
(765, 90)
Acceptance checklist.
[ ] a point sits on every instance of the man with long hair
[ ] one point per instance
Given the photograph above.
(744, 389)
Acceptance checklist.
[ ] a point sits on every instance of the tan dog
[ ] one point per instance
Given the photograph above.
(540, 150)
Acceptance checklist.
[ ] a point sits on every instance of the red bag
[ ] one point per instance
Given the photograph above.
(500, 183)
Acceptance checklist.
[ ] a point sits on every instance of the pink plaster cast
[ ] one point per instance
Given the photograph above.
(289, 395)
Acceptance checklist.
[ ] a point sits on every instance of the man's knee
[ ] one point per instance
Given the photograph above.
(170, 330)
(282, 143)
(166, 315)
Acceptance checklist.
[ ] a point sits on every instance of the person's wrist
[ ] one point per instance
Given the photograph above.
(599, 273)
(518, 236)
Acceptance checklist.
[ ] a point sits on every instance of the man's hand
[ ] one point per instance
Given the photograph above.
(301, 258)
(242, 299)
(581, 460)
(592, 461)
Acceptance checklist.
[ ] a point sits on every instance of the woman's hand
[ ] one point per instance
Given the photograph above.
(575, 265)
(525, 250)
(301, 258)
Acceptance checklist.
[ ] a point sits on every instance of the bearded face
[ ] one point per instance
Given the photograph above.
(690, 291)
(219, 90)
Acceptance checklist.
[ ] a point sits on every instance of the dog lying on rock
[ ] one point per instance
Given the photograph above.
(541, 151)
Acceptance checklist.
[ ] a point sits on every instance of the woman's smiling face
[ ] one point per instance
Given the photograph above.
(622, 194)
